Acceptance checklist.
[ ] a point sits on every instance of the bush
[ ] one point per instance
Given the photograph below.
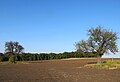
(12, 59)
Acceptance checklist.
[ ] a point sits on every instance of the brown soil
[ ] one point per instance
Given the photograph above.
(57, 71)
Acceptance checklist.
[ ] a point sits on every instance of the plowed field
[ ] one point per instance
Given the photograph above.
(57, 71)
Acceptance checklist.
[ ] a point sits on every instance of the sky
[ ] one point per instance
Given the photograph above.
(55, 25)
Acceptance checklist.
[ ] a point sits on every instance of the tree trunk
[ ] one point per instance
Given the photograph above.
(98, 59)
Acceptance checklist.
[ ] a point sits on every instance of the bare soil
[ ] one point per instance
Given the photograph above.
(69, 70)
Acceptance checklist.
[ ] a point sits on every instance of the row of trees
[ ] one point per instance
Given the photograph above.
(15, 52)
(43, 56)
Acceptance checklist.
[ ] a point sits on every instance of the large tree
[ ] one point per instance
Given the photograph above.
(13, 48)
(100, 41)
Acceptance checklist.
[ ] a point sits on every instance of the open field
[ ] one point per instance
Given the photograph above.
(69, 70)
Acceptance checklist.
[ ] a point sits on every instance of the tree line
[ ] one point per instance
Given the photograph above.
(43, 56)
(15, 52)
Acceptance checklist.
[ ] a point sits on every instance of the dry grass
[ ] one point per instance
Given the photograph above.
(108, 64)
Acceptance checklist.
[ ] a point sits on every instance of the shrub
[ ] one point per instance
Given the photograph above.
(12, 59)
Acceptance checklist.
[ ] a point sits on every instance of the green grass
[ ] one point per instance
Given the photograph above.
(108, 64)
(17, 62)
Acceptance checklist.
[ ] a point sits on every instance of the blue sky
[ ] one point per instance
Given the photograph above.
(54, 25)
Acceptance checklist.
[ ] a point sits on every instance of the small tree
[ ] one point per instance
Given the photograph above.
(100, 41)
(12, 59)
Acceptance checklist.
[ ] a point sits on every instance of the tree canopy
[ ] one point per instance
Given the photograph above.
(100, 41)
(13, 47)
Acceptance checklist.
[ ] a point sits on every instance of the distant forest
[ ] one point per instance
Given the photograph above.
(15, 52)
(45, 56)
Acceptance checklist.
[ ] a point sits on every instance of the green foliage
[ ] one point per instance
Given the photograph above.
(1, 58)
(44, 56)
(4, 57)
(12, 59)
